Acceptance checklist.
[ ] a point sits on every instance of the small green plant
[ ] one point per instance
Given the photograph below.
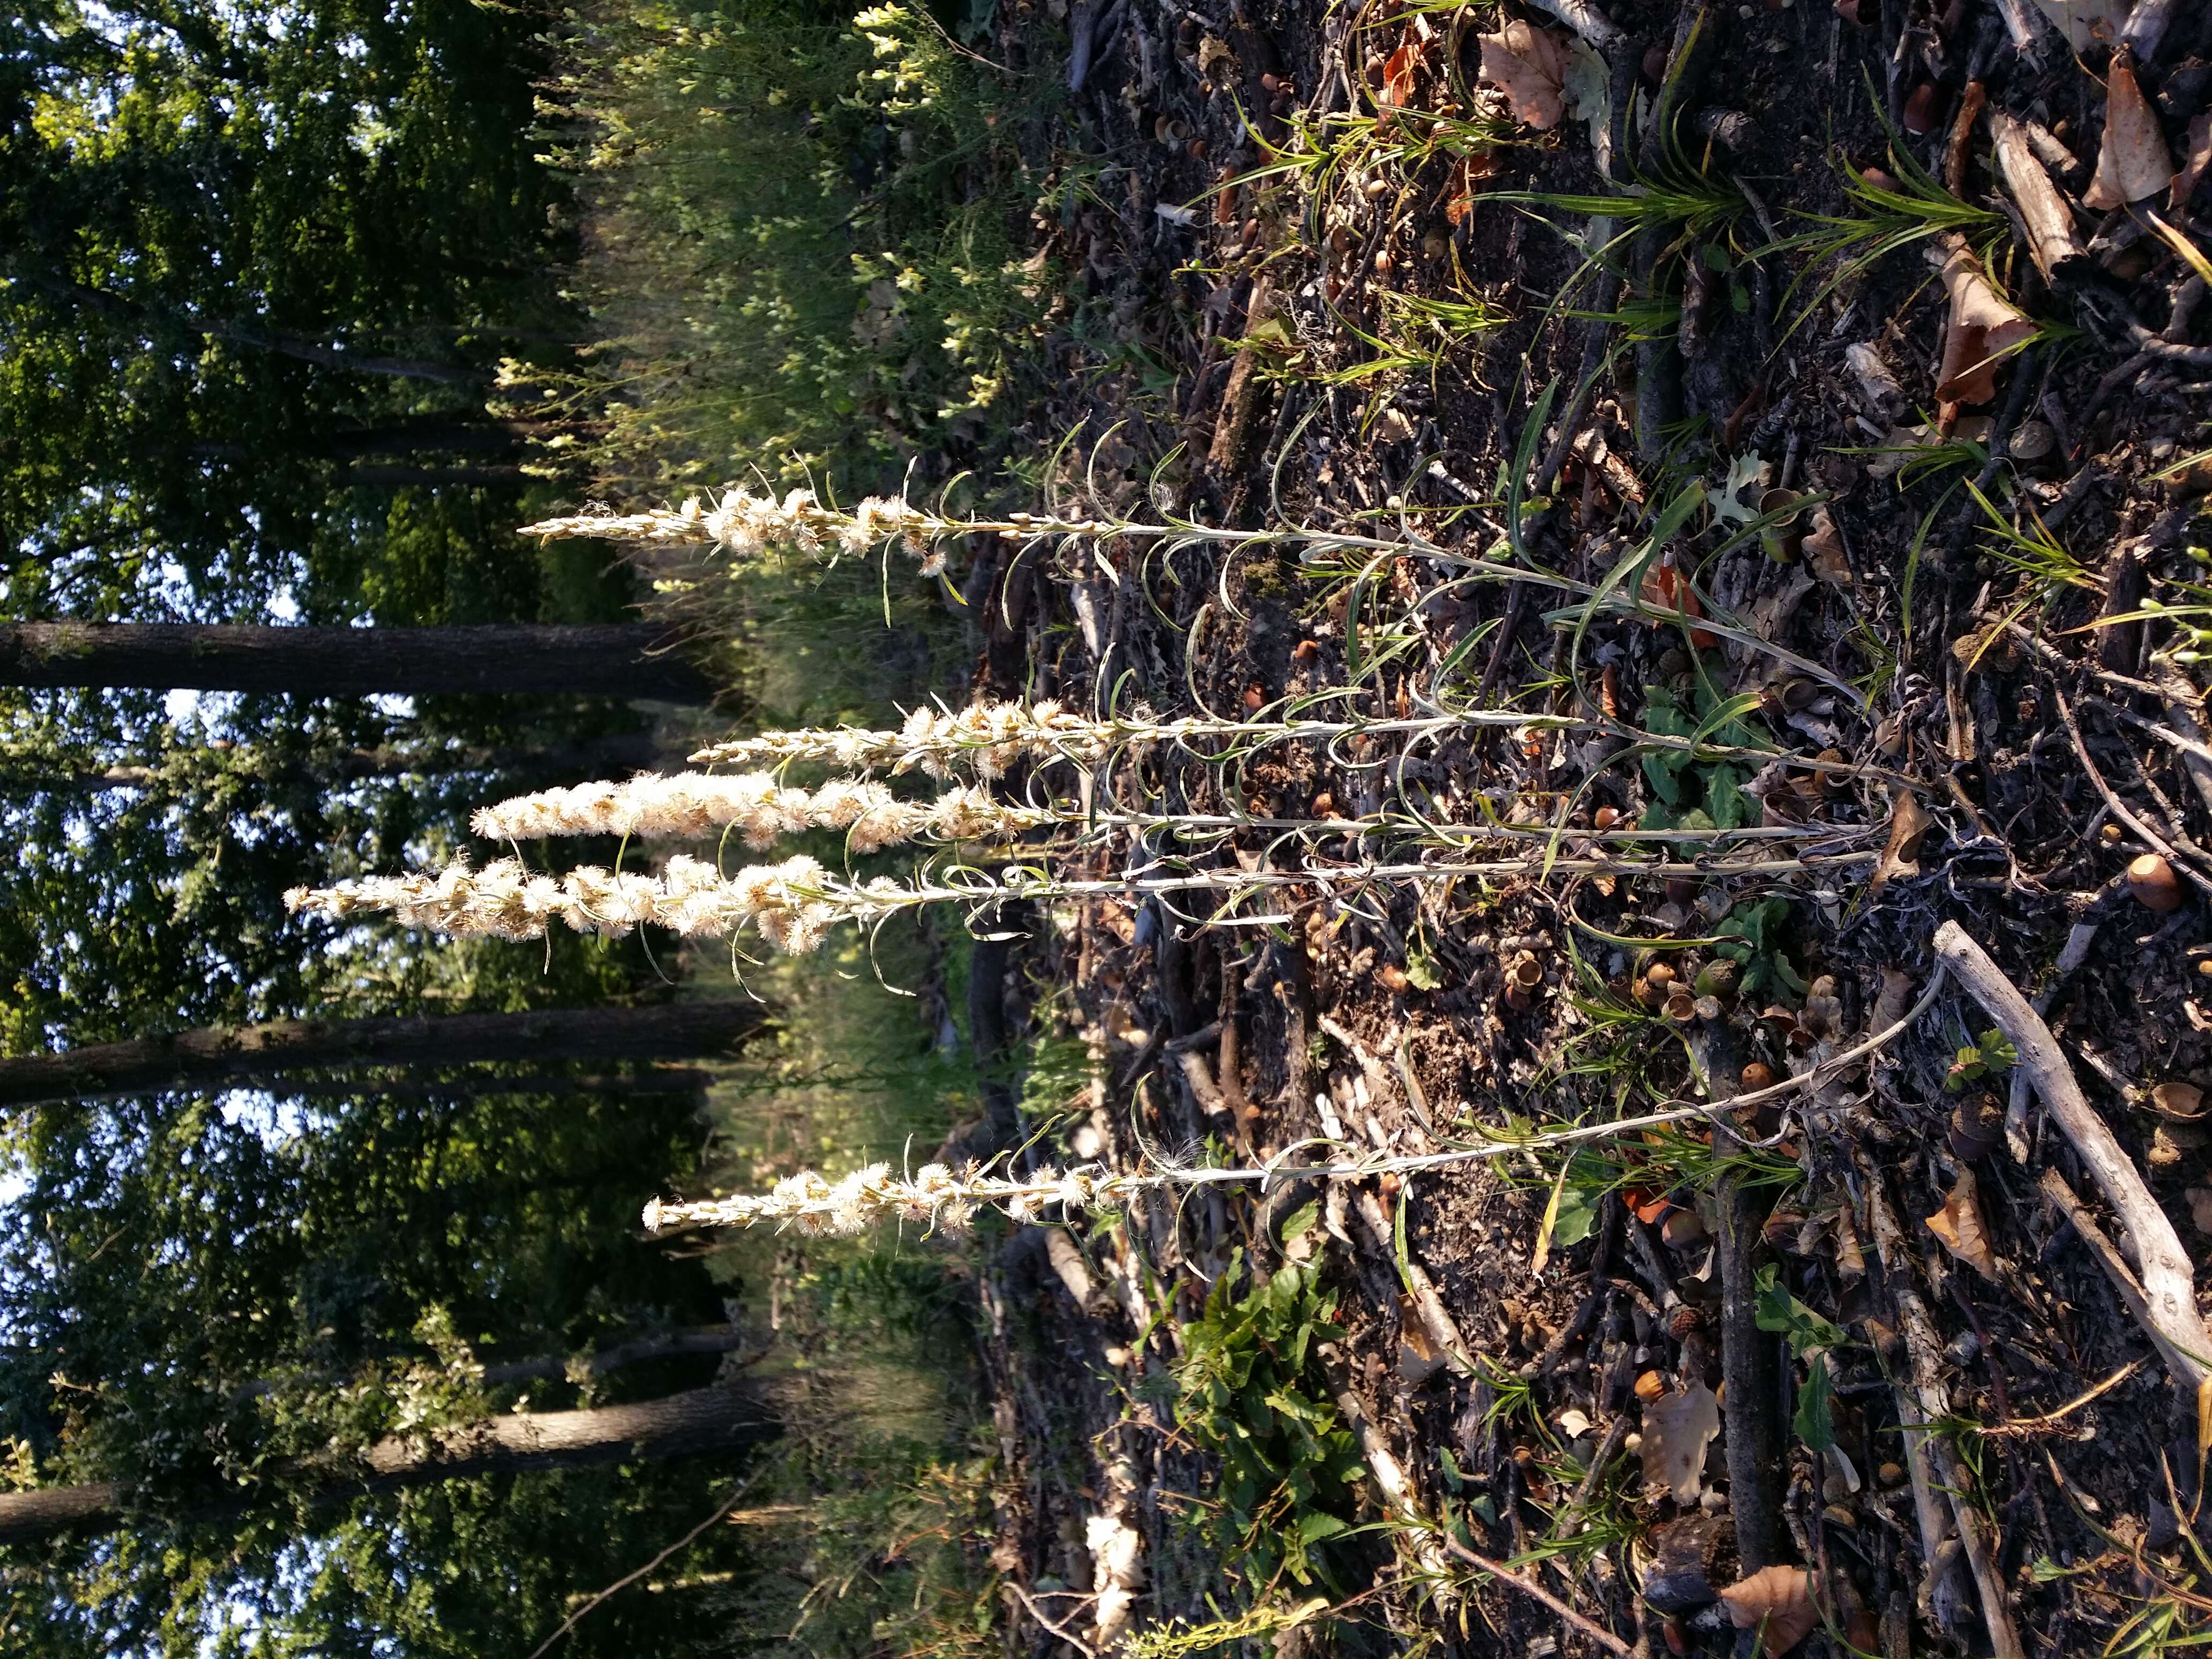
(1689, 794)
(1987, 1058)
(2032, 551)
(1248, 1389)
(1177, 1639)
(1750, 937)
(1809, 1338)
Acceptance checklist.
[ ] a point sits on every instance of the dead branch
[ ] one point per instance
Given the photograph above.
(2051, 242)
(2168, 1277)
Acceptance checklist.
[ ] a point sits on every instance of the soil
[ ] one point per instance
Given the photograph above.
(1327, 1022)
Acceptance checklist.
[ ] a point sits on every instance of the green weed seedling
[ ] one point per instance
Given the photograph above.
(1248, 1390)
(1992, 1054)
(1751, 937)
(1689, 794)
(1810, 1338)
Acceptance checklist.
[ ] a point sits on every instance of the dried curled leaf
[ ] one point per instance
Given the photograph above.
(1778, 1602)
(2134, 163)
(1959, 1224)
(1398, 77)
(1908, 822)
(1824, 550)
(1984, 327)
(1677, 1428)
(1529, 67)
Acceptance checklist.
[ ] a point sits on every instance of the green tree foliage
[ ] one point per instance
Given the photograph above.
(258, 263)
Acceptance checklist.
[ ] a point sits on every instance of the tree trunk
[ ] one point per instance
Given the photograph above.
(681, 1424)
(657, 1081)
(613, 659)
(223, 1055)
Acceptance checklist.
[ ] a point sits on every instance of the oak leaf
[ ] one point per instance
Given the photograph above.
(2133, 163)
(1984, 327)
(1778, 1602)
(1677, 1428)
(1529, 66)
(1958, 1223)
(1908, 822)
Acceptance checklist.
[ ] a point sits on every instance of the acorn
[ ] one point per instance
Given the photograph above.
(1605, 816)
(1657, 985)
(1681, 1007)
(1976, 1128)
(1650, 1386)
(1757, 1076)
(1524, 977)
(1719, 977)
(2153, 882)
(1922, 109)
(1682, 1228)
(1393, 977)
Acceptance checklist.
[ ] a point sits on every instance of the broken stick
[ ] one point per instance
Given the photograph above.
(2168, 1276)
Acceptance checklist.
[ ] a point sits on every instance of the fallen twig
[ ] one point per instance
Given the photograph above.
(2051, 1419)
(2168, 1276)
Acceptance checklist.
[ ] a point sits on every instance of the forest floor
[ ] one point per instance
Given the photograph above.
(1579, 305)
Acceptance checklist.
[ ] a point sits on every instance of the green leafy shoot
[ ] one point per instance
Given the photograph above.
(1809, 1338)
(1989, 1056)
(1886, 218)
(1751, 937)
(1248, 1389)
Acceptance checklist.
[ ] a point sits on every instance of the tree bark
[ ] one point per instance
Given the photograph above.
(680, 1424)
(656, 1080)
(219, 1054)
(613, 659)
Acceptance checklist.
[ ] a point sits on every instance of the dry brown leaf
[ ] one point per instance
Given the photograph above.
(1959, 1224)
(2134, 163)
(2192, 170)
(1677, 1428)
(1417, 1357)
(1824, 552)
(1469, 170)
(1983, 326)
(1908, 822)
(1779, 1598)
(1529, 66)
(1398, 78)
